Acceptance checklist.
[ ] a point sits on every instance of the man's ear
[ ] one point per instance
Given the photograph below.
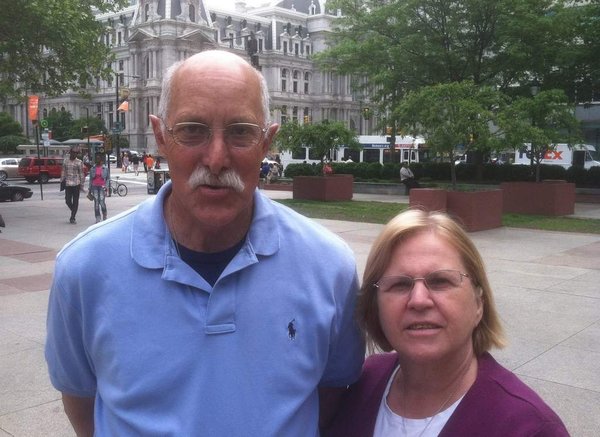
(270, 136)
(158, 133)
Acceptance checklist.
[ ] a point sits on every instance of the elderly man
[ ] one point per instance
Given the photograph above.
(214, 311)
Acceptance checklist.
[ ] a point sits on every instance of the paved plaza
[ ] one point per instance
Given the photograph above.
(546, 285)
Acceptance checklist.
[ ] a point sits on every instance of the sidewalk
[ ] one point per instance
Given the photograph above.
(546, 287)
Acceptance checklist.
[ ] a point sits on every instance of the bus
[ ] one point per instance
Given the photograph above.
(375, 148)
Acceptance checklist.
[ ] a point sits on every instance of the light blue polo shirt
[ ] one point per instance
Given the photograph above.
(166, 354)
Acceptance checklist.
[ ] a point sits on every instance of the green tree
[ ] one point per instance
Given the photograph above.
(321, 137)
(87, 126)
(53, 45)
(540, 121)
(452, 115)
(11, 134)
(397, 46)
(61, 124)
(8, 126)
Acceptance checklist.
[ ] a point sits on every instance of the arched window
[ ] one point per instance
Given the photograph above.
(192, 13)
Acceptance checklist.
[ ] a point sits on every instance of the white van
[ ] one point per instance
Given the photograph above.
(580, 155)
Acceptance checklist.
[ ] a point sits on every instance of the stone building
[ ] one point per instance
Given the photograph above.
(149, 35)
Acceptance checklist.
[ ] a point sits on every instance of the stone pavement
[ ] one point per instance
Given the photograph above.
(546, 284)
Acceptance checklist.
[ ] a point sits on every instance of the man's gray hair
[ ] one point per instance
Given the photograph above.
(167, 82)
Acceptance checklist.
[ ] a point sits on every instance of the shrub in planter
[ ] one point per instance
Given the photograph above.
(577, 175)
(593, 177)
(553, 172)
(392, 171)
(466, 172)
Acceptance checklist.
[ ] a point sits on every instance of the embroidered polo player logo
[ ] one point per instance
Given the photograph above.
(292, 329)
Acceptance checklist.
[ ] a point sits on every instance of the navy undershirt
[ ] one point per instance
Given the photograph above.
(209, 265)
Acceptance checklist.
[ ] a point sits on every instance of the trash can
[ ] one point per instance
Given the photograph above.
(156, 179)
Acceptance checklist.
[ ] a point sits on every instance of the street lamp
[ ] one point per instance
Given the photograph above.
(117, 127)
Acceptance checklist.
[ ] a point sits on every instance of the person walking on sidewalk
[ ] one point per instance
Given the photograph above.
(407, 177)
(173, 331)
(135, 161)
(72, 176)
(98, 184)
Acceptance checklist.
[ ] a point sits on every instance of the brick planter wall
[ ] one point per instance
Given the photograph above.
(550, 197)
(326, 188)
(429, 199)
(477, 210)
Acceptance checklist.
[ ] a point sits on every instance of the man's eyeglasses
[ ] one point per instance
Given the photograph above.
(237, 135)
(438, 282)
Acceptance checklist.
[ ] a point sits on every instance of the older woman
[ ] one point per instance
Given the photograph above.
(425, 296)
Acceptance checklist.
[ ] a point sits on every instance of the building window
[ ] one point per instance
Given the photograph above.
(295, 113)
(146, 13)
(192, 13)
(306, 82)
(285, 47)
(121, 65)
(296, 49)
(295, 83)
(283, 114)
(284, 74)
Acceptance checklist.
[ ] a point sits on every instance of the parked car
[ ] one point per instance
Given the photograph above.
(9, 168)
(46, 168)
(14, 192)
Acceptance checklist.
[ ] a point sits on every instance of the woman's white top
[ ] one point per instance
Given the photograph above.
(391, 424)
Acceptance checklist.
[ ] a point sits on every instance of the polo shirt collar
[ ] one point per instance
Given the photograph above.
(152, 247)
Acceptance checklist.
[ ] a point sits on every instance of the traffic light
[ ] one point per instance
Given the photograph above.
(389, 130)
(306, 119)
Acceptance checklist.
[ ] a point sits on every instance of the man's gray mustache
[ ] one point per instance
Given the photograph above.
(227, 178)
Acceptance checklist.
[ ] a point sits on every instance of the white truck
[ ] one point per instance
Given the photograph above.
(580, 155)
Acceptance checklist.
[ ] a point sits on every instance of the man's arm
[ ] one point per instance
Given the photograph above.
(80, 412)
(329, 401)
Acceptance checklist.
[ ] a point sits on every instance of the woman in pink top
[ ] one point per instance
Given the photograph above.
(98, 179)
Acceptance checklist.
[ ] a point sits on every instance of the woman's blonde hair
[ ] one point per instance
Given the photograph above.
(487, 334)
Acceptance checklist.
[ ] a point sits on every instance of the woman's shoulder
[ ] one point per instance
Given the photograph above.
(499, 397)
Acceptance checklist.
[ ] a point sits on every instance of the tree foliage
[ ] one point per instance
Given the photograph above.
(541, 121)
(50, 46)
(8, 126)
(452, 114)
(321, 137)
(403, 45)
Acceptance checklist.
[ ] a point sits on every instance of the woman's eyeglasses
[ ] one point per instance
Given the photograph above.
(438, 281)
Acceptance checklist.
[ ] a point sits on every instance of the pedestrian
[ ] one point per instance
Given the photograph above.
(149, 161)
(72, 177)
(426, 298)
(98, 184)
(327, 169)
(125, 162)
(157, 163)
(135, 161)
(190, 341)
(144, 157)
(407, 177)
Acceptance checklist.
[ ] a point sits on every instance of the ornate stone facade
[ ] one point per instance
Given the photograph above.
(149, 35)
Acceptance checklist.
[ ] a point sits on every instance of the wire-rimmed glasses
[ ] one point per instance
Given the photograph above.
(236, 135)
(438, 282)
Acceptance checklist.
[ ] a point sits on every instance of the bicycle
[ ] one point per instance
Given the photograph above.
(117, 187)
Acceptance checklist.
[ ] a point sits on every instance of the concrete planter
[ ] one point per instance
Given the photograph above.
(429, 199)
(476, 210)
(550, 197)
(325, 188)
